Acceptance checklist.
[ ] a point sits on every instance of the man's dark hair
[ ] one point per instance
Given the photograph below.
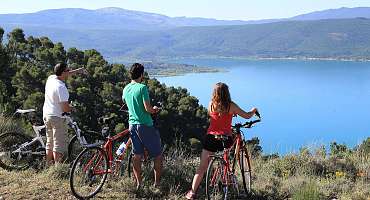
(136, 71)
(59, 68)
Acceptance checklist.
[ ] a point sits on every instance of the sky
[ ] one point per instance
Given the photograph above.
(218, 9)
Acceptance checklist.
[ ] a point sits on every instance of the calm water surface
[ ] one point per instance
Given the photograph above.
(302, 103)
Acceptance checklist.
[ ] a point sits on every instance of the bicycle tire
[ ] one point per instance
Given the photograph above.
(245, 170)
(89, 169)
(9, 142)
(75, 148)
(215, 186)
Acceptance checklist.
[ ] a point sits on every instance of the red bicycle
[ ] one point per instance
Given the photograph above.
(223, 180)
(92, 166)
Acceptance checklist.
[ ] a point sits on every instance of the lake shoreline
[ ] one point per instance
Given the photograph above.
(273, 58)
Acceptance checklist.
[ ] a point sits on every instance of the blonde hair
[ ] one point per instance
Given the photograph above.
(220, 98)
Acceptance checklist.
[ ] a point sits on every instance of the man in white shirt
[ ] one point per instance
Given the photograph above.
(56, 103)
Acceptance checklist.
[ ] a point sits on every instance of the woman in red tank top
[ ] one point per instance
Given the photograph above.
(221, 110)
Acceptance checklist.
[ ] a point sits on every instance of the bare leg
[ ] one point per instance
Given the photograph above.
(204, 160)
(49, 157)
(137, 169)
(158, 170)
(58, 157)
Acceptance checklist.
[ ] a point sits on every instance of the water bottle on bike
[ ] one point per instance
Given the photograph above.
(121, 149)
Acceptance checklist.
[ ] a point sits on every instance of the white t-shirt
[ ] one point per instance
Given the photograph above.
(55, 93)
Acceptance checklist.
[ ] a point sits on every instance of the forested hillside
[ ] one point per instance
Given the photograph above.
(26, 62)
(332, 38)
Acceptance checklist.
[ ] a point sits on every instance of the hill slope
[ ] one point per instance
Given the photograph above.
(122, 34)
(340, 13)
(349, 38)
(118, 18)
(106, 18)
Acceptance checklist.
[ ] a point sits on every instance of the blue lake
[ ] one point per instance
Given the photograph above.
(302, 103)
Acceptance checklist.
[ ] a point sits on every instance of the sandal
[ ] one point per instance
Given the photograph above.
(190, 195)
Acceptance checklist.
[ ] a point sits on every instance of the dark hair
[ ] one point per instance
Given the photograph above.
(136, 71)
(59, 68)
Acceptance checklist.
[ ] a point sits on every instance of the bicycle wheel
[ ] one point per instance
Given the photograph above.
(130, 165)
(216, 187)
(124, 162)
(245, 170)
(89, 172)
(75, 148)
(9, 159)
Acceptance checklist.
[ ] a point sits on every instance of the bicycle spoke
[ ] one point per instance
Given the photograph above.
(216, 187)
(9, 142)
(89, 172)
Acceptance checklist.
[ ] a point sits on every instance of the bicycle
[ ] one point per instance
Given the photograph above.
(222, 179)
(20, 151)
(91, 167)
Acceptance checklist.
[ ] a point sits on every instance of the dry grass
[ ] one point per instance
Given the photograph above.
(307, 175)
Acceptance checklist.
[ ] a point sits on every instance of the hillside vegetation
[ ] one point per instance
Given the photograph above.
(310, 175)
(25, 64)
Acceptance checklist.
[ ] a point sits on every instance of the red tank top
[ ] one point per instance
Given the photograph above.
(220, 123)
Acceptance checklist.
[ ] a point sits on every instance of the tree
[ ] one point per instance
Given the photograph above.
(6, 73)
(26, 64)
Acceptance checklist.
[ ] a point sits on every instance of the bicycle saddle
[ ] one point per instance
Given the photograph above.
(20, 111)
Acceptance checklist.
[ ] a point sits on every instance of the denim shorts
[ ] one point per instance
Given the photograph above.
(147, 137)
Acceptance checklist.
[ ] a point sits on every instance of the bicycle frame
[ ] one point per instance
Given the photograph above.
(108, 149)
(225, 158)
(108, 146)
(229, 169)
(39, 138)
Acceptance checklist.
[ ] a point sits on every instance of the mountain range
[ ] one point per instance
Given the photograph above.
(120, 33)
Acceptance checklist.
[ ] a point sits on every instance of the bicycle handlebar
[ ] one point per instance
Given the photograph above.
(246, 124)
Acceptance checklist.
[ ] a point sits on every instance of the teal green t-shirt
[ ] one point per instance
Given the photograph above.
(134, 94)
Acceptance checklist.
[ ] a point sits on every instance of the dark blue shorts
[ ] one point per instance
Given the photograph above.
(145, 137)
